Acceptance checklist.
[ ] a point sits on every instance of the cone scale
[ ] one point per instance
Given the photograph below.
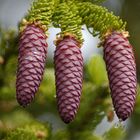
(121, 68)
(68, 63)
(31, 63)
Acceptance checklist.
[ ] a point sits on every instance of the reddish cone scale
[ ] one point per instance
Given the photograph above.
(121, 68)
(31, 63)
(68, 62)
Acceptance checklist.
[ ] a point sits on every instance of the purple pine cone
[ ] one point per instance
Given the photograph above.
(31, 63)
(121, 68)
(68, 62)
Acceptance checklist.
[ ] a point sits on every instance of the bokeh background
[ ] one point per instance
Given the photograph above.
(95, 119)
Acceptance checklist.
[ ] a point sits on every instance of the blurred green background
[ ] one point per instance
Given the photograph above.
(40, 121)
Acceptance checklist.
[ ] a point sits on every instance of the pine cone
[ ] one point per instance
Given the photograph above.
(31, 63)
(121, 68)
(68, 62)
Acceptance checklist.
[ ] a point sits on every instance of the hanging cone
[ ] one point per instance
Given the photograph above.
(31, 63)
(68, 62)
(121, 68)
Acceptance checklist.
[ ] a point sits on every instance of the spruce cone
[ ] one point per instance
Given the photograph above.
(121, 68)
(68, 62)
(31, 63)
